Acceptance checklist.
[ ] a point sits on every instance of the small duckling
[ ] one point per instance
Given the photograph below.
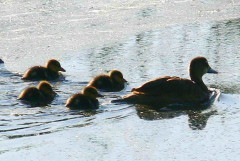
(112, 82)
(173, 90)
(85, 100)
(41, 95)
(50, 72)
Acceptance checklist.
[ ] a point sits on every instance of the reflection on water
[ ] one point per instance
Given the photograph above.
(197, 120)
(142, 57)
(168, 52)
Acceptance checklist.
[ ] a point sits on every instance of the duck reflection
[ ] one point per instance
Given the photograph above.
(197, 120)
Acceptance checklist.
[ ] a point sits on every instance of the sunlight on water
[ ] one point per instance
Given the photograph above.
(117, 132)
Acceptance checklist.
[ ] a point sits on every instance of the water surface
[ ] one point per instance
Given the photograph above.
(119, 132)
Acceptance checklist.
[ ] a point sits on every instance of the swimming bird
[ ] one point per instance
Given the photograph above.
(49, 72)
(87, 100)
(173, 90)
(111, 82)
(40, 95)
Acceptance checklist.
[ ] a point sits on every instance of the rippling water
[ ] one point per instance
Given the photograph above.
(118, 132)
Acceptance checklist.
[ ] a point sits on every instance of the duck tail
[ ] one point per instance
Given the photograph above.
(134, 89)
(118, 101)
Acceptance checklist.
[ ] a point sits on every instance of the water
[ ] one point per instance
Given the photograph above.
(142, 39)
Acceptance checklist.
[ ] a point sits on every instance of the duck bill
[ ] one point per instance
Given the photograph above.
(124, 80)
(210, 70)
(62, 70)
(99, 95)
(54, 94)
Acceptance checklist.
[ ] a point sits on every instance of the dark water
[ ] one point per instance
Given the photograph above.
(128, 132)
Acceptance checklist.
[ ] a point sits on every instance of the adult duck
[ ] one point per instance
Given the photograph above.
(40, 95)
(87, 100)
(111, 82)
(174, 90)
(49, 72)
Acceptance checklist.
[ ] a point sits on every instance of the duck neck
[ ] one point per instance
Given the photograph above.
(118, 85)
(198, 80)
(52, 71)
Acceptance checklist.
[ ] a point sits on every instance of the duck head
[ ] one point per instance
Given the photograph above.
(91, 92)
(46, 88)
(117, 76)
(198, 67)
(55, 66)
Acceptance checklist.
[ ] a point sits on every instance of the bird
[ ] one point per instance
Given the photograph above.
(87, 100)
(168, 90)
(40, 95)
(111, 82)
(49, 72)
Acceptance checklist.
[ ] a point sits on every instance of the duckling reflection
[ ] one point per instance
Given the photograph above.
(49, 72)
(41, 95)
(197, 120)
(174, 90)
(112, 82)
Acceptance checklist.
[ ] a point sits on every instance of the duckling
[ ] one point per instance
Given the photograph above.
(85, 100)
(173, 90)
(41, 95)
(50, 72)
(112, 82)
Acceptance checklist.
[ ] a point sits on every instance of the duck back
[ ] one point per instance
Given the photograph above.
(82, 102)
(170, 90)
(31, 94)
(40, 73)
(102, 82)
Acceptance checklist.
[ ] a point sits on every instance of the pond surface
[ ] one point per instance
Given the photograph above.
(118, 132)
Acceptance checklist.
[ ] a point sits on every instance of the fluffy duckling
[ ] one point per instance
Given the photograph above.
(50, 72)
(112, 82)
(174, 90)
(41, 95)
(85, 100)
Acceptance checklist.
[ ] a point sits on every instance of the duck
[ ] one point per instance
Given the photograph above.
(40, 95)
(49, 72)
(169, 90)
(111, 82)
(87, 100)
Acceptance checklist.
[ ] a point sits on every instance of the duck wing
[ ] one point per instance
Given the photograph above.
(36, 73)
(30, 94)
(166, 86)
(103, 82)
(81, 102)
(152, 87)
(169, 90)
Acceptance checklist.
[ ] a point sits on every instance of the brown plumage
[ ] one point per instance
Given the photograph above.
(40, 95)
(49, 72)
(112, 82)
(170, 90)
(85, 100)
